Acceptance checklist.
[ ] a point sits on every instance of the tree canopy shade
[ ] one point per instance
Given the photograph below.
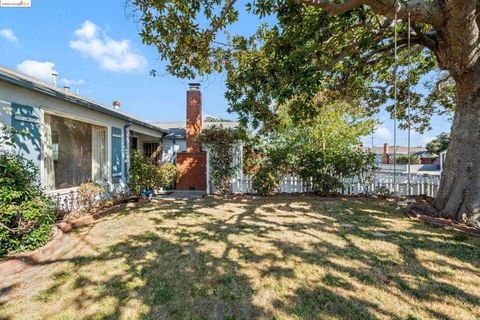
(343, 49)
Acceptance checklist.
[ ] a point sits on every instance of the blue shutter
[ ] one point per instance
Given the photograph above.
(116, 154)
(28, 118)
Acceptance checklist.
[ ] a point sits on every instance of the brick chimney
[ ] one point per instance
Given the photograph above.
(194, 117)
(386, 151)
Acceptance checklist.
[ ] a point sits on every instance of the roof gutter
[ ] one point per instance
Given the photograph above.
(65, 96)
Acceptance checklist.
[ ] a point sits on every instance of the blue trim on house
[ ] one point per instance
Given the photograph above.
(117, 142)
(18, 79)
(26, 118)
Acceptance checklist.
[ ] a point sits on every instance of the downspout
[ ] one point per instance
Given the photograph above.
(127, 150)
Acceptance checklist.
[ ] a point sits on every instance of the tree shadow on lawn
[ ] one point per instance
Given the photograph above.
(167, 281)
(275, 258)
(404, 277)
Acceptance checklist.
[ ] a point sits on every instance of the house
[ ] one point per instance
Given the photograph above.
(73, 139)
(384, 158)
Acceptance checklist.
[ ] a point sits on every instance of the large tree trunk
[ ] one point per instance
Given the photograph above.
(459, 194)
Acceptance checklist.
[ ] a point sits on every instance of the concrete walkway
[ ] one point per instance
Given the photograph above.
(181, 194)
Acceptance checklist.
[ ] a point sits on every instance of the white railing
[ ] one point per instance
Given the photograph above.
(380, 182)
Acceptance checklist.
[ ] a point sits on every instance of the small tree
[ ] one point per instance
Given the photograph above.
(439, 144)
(143, 174)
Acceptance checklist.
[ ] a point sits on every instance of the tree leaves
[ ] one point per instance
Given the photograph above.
(348, 57)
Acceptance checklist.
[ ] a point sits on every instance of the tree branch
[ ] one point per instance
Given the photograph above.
(420, 11)
(222, 17)
(428, 42)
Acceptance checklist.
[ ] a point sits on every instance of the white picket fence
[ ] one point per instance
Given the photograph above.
(420, 184)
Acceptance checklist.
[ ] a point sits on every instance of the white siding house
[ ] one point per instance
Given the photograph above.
(72, 139)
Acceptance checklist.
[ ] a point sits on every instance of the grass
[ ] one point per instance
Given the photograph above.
(299, 258)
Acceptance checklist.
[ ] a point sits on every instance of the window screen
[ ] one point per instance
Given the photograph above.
(75, 152)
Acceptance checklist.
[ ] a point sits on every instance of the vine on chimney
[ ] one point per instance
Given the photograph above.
(220, 143)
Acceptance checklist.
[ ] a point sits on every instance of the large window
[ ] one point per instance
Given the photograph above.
(75, 152)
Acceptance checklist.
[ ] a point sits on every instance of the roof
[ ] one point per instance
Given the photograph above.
(400, 150)
(177, 129)
(21, 80)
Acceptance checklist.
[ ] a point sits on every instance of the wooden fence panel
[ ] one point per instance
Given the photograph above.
(292, 183)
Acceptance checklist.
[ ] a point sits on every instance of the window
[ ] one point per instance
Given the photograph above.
(75, 152)
(152, 150)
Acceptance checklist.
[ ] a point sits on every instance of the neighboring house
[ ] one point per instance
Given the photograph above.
(72, 139)
(384, 159)
(384, 155)
(175, 141)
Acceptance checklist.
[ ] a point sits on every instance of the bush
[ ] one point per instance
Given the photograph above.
(327, 168)
(26, 215)
(264, 180)
(143, 174)
(169, 174)
(90, 195)
(403, 159)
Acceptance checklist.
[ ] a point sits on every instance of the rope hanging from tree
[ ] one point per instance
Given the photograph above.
(395, 98)
(395, 103)
(409, 104)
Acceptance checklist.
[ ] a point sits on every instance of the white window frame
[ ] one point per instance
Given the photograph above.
(108, 148)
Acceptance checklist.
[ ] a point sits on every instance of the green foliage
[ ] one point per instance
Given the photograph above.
(403, 159)
(347, 57)
(168, 173)
(439, 144)
(8, 133)
(264, 181)
(26, 215)
(327, 168)
(90, 195)
(143, 174)
(220, 142)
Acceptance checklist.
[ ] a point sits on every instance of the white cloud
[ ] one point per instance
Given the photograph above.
(40, 70)
(43, 71)
(71, 82)
(110, 54)
(383, 133)
(8, 34)
(426, 139)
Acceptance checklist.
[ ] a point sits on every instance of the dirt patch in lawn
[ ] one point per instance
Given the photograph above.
(254, 258)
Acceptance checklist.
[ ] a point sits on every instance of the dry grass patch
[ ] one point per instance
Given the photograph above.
(299, 258)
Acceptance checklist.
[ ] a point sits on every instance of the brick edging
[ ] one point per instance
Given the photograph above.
(21, 261)
(68, 226)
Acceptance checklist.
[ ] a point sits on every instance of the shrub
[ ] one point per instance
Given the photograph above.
(327, 168)
(143, 174)
(169, 174)
(264, 180)
(90, 195)
(220, 142)
(26, 215)
(403, 159)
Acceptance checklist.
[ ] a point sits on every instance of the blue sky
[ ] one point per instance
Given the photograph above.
(77, 38)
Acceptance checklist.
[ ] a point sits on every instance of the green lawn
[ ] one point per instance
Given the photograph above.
(298, 258)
